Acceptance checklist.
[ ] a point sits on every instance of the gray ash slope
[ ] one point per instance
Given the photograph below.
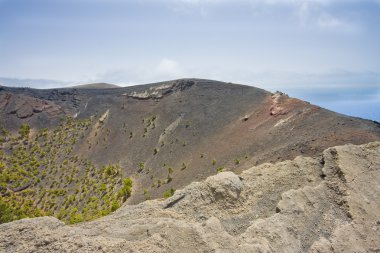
(192, 126)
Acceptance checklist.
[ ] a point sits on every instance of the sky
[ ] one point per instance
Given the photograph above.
(324, 51)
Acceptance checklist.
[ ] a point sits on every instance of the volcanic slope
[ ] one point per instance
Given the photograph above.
(326, 204)
(169, 134)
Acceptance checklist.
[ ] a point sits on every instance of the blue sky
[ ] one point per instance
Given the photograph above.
(324, 51)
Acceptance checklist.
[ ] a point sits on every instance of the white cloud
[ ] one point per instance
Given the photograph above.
(163, 70)
(168, 68)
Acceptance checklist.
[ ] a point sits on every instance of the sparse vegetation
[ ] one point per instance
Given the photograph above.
(169, 177)
(168, 193)
(126, 190)
(141, 167)
(219, 169)
(44, 177)
(24, 131)
(3, 131)
(146, 194)
(149, 124)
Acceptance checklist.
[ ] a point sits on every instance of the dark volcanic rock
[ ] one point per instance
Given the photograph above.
(25, 106)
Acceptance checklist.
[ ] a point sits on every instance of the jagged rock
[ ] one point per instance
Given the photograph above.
(225, 185)
(304, 205)
(276, 108)
(26, 106)
(158, 92)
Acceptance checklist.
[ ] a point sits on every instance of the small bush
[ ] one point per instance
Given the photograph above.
(168, 193)
(146, 194)
(115, 205)
(75, 216)
(4, 131)
(126, 190)
(141, 166)
(24, 130)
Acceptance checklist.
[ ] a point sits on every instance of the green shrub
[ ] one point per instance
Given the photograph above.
(75, 216)
(110, 170)
(126, 190)
(24, 130)
(8, 213)
(115, 205)
(4, 131)
(103, 187)
(168, 193)
(141, 166)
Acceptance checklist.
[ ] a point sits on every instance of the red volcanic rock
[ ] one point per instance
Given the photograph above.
(25, 106)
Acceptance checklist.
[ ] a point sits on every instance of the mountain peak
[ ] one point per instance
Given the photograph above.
(96, 86)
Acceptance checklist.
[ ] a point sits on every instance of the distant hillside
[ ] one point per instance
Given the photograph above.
(42, 83)
(162, 136)
(96, 86)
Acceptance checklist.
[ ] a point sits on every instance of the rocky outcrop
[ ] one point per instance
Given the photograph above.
(26, 106)
(158, 92)
(328, 204)
(278, 99)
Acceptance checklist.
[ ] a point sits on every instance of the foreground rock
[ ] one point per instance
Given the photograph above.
(328, 204)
